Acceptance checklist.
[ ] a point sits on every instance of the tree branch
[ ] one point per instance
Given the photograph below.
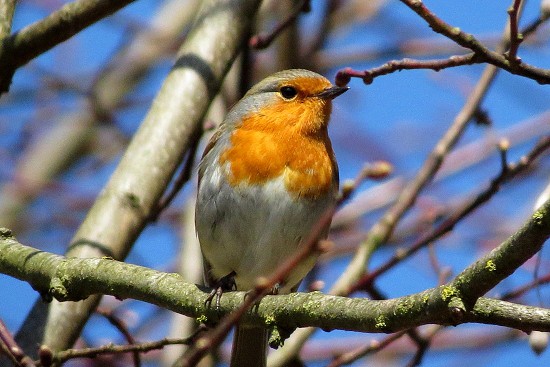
(263, 40)
(511, 39)
(34, 40)
(61, 357)
(343, 76)
(515, 37)
(7, 8)
(75, 279)
(508, 172)
(11, 349)
(123, 208)
(467, 40)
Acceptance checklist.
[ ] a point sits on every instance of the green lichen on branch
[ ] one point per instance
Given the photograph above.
(483, 275)
(448, 292)
(490, 265)
(538, 217)
(381, 322)
(5, 233)
(405, 307)
(202, 319)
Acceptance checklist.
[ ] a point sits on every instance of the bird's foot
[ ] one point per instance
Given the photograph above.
(226, 283)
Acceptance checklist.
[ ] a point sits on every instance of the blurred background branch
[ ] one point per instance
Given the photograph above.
(30, 42)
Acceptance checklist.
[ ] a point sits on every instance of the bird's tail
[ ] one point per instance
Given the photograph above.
(249, 346)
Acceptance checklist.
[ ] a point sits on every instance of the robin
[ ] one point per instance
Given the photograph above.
(266, 177)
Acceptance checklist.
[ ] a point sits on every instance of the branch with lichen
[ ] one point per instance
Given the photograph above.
(459, 301)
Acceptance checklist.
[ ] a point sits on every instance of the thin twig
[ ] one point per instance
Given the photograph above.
(373, 347)
(13, 351)
(515, 37)
(467, 40)
(119, 324)
(526, 288)
(65, 355)
(422, 347)
(263, 40)
(343, 76)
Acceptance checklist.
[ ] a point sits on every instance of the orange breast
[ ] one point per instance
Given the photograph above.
(289, 139)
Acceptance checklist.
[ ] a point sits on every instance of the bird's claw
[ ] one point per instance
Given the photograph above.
(226, 283)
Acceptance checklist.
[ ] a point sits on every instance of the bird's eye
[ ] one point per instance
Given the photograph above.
(288, 92)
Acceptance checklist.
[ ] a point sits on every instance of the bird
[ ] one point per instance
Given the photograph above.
(265, 179)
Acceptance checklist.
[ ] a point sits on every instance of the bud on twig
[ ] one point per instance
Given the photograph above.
(538, 341)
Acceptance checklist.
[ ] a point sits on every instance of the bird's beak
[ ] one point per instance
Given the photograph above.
(332, 92)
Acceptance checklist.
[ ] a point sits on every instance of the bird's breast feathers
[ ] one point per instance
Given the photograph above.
(305, 162)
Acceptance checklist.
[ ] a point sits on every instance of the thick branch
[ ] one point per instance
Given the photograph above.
(497, 312)
(501, 262)
(75, 279)
(125, 204)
